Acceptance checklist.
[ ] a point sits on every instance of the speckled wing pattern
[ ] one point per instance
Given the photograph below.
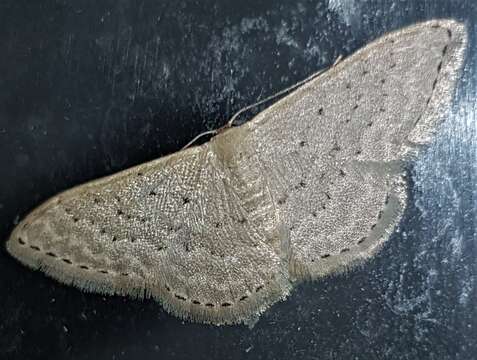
(219, 232)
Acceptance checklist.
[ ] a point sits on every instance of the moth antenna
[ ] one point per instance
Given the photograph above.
(338, 60)
(230, 123)
(209, 132)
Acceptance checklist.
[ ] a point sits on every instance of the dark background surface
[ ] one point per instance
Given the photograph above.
(88, 88)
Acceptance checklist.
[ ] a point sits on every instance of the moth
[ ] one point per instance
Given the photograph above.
(309, 187)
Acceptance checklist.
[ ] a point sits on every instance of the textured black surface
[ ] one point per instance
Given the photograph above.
(89, 88)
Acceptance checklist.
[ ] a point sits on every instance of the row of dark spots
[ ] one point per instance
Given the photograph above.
(185, 199)
(209, 304)
(380, 215)
(393, 64)
(438, 26)
(302, 184)
(355, 107)
(302, 143)
(326, 256)
(119, 212)
(65, 260)
(439, 68)
(114, 238)
(363, 239)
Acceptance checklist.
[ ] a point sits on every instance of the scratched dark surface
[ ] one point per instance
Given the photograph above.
(88, 88)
